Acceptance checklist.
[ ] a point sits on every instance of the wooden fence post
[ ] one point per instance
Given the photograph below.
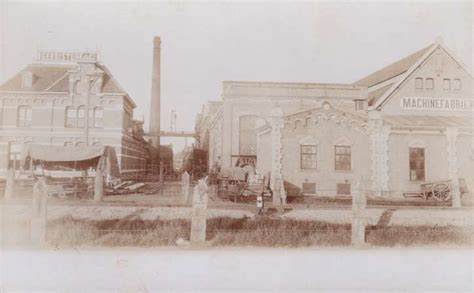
(185, 181)
(10, 185)
(359, 203)
(198, 220)
(98, 186)
(162, 178)
(456, 193)
(39, 212)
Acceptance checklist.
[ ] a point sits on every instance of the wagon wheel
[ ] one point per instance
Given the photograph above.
(441, 192)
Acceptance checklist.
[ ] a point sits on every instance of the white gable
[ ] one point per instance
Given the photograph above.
(438, 84)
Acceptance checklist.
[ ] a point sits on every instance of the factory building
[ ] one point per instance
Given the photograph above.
(407, 123)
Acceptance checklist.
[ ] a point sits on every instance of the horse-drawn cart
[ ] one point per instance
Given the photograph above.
(439, 190)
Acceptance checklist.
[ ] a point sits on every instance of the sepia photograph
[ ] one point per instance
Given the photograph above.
(150, 146)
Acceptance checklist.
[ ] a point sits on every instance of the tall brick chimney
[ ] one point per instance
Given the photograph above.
(155, 101)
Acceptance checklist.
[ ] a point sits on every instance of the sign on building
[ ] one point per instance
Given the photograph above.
(436, 104)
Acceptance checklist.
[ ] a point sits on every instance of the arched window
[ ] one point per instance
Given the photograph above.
(25, 116)
(248, 134)
(70, 117)
(98, 117)
(81, 116)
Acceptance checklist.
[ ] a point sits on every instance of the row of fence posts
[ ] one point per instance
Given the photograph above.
(200, 200)
(199, 207)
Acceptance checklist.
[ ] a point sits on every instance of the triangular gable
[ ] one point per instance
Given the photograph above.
(387, 95)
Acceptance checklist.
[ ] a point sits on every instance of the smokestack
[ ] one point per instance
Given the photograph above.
(155, 99)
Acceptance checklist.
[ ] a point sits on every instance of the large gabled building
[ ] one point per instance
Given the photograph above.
(67, 98)
(408, 123)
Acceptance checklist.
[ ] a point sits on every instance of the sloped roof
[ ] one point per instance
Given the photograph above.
(54, 78)
(44, 76)
(376, 94)
(393, 69)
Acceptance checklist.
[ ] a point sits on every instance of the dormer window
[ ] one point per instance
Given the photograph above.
(27, 80)
(418, 83)
(429, 84)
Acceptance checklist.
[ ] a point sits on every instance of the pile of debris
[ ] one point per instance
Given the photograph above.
(131, 187)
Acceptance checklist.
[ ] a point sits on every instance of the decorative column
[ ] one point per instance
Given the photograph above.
(451, 141)
(379, 134)
(276, 177)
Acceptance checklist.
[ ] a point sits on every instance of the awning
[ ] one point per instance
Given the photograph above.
(53, 153)
(108, 162)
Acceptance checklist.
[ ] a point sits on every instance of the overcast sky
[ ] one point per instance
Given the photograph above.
(205, 43)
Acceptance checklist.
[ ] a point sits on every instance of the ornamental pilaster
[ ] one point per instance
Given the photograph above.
(276, 177)
(379, 135)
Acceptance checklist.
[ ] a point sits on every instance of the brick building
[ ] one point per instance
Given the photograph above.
(65, 99)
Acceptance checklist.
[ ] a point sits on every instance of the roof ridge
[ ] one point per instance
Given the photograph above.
(384, 73)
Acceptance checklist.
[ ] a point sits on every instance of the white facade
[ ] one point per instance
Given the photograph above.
(408, 123)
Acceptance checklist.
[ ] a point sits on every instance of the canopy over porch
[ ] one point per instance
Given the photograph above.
(107, 163)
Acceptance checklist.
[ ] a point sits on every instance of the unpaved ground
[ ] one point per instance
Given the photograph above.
(96, 212)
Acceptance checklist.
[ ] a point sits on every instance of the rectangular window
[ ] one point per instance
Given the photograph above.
(98, 117)
(25, 115)
(429, 83)
(417, 164)
(309, 157)
(81, 117)
(14, 156)
(446, 84)
(70, 117)
(419, 83)
(343, 189)
(457, 84)
(343, 157)
(309, 188)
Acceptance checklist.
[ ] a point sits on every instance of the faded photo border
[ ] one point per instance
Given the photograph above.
(276, 41)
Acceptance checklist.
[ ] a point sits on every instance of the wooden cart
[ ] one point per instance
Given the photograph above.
(439, 190)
